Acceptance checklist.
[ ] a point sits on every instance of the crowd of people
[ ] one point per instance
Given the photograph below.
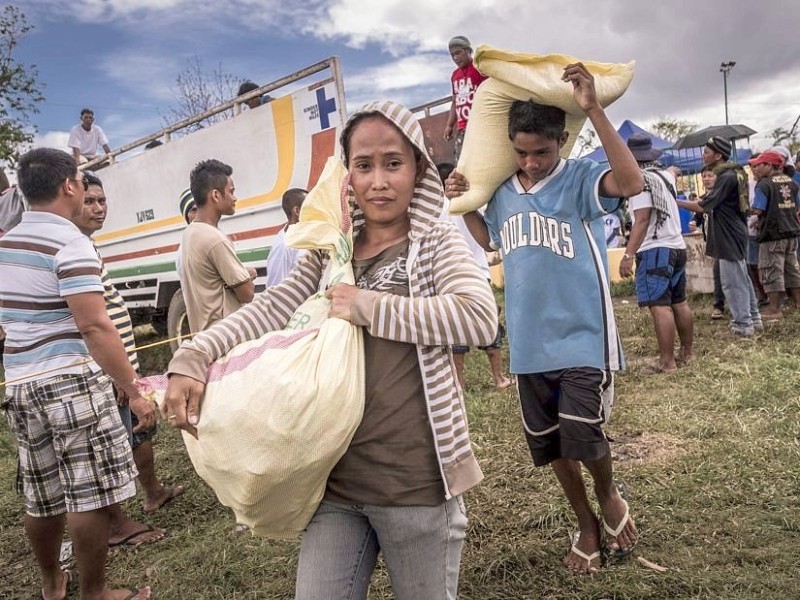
(422, 295)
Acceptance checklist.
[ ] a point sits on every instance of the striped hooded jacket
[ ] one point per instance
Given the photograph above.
(449, 303)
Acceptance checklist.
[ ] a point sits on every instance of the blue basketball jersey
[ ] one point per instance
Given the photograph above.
(558, 305)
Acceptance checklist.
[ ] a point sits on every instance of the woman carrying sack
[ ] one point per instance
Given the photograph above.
(418, 291)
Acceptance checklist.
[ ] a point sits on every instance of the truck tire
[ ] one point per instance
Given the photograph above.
(160, 324)
(177, 321)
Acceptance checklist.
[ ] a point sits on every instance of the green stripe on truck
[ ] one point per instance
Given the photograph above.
(246, 256)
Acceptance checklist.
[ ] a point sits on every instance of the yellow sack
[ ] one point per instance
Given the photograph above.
(487, 158)
(280, 411)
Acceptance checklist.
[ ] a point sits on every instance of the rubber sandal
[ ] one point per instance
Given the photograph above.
(590, 568)
(619, 553)
(126, 541)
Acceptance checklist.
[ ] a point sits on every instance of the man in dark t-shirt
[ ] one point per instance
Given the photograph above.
(776, 204)
(727, 237)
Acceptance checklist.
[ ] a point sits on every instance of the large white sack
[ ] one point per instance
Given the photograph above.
(279, 412)
(487, 158)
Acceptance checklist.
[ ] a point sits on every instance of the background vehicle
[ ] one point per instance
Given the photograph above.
(278, 145)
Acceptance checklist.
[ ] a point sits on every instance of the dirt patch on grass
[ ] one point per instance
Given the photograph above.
(644, 448)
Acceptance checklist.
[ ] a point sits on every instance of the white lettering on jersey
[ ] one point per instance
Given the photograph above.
(541, 231)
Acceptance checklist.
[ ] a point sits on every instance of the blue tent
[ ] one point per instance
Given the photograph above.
(626, 130)
(690, 160)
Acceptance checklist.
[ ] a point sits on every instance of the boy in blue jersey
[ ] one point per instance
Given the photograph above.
(563, 338)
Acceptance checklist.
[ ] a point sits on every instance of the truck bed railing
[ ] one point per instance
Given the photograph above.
(331, 63)
(426, 108)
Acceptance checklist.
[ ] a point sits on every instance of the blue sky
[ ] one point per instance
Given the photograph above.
(121, 57)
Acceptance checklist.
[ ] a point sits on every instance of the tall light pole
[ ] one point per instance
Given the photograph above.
(725, 68)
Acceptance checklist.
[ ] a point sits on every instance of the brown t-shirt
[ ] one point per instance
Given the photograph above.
(209, 270)
(391, 460)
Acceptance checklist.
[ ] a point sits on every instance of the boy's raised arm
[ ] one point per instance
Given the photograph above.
(625, 179)
(455, 185)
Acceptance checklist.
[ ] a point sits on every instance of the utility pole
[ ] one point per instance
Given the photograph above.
(725, 68)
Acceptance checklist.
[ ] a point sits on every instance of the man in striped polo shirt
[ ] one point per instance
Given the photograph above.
(124, 530)
(62, 355)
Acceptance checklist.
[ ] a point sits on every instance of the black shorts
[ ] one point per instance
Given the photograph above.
(562, 413)
(496, 344)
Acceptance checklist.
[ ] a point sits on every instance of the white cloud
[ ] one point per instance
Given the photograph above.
(148, 75)
(677, 60)
(52, 139)
(174, 16)
(408, 72)
(678, 46)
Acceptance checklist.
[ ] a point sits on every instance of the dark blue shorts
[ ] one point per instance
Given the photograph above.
(661, 277)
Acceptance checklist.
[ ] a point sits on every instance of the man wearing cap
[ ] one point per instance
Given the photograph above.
(657, 244)
(188, 206)
(776, 204)
(464, 81)
(727, 235)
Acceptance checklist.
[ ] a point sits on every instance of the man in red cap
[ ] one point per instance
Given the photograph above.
(776, 204)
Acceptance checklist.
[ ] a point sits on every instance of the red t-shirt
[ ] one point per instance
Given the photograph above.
(465, 81)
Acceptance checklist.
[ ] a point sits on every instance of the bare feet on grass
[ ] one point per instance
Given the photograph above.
(167, 493)
(685, 356)
(502, 382)
(128, 594)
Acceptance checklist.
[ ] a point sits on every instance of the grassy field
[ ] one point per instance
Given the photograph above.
(710, 456)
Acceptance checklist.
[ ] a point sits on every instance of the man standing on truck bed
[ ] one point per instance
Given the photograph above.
(464, 82)
(214, 281)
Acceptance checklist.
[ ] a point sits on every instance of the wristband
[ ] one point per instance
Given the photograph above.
(628, 256)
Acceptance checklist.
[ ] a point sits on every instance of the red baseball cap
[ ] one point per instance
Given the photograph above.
(769, 157)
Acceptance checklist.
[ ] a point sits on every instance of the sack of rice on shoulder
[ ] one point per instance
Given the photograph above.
(280, 411)
(487, 158)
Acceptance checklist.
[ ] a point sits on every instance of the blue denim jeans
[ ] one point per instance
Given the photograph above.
(739, 293)
(421, 547)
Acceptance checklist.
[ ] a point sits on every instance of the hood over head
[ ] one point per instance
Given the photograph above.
(428, 202)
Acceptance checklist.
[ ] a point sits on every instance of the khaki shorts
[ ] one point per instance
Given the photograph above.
(778, 268)
(74, 454)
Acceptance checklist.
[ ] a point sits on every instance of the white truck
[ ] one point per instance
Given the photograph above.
(278, 145)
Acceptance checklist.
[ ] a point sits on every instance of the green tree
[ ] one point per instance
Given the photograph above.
(783, 136)
(672, 129)
(19, 89)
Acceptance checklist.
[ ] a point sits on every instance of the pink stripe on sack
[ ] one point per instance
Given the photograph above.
(154, 383)
(217, 370)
